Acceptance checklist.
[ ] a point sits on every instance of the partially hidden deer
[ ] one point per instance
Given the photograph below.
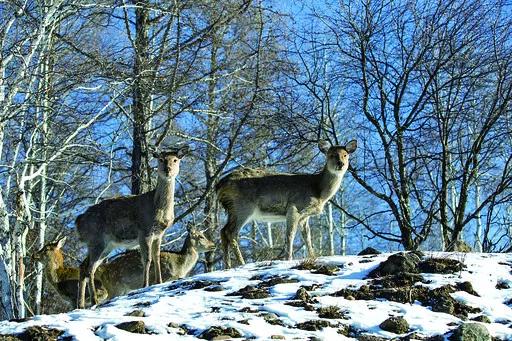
(64, 279)
(123, 272)
(129, 221)
(259, 195)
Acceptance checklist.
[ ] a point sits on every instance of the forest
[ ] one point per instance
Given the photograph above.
(89, 90)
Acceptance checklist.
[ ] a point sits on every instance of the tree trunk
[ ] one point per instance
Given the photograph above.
(270, 240)
(210, 165)
(330, 225)
(140, 170)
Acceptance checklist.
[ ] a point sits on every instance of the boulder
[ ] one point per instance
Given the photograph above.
(395, 324)
(471, 331)
(396, 263)
(369, 251)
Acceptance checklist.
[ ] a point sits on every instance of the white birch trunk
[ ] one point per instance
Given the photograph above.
(343, 233)
(269, 235)
(330, 225)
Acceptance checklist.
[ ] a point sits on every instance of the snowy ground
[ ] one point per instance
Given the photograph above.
(172, 309)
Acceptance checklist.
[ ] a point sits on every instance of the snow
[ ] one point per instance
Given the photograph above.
(199, 309)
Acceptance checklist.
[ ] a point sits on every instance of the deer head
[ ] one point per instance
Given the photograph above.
(169, 161)
(337, 156)
(50, 252)
(199, 241)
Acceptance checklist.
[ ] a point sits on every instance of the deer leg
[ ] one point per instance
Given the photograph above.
(92, 283)
(226, 236)
(82, 283)
(156, 258)
(145, 253)
(89, 266)
(306, 236)
(292, 222)
(229, 236)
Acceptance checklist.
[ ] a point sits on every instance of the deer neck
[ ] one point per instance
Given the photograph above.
(53, 266)
(164, 200)
(329, 183)
(188, 255)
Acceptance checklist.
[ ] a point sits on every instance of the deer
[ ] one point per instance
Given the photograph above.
(260, 195)
(62, 278)
(130, 221)
(123, 272)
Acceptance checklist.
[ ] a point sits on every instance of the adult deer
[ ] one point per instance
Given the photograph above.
(64, 279)
(123, 273)
(130, 221)
(256, 195)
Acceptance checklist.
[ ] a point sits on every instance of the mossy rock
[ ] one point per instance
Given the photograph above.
(216, 333)
(302, 295)
(313, 325)
(440, 266)
(301, 304)
(9, 338)
(397, 263)
(137, 327)
(274, 280)
(481, 318)
(403, 279)
(136, 313)
(273, 319)
(395, 324)
(331, 312)
(38, 333)
(471, 332)
(371, 338)
(251, 292)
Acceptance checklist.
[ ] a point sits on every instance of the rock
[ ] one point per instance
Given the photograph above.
(137, 327)
(328, 270)
(278, 337)
(330, 312)
(136, 313)
(9, 338)
(471, 332)
(395, 324)
(369, 251)
(313, 325)
(302, 295)
(181, 329)
(251, 292)
(396, 263)
(440, 266)
(274, 280)
(38, 333)
(371, 338)
(481, 318)
(404, 279)
(502, 285)
(273, 319)
(443, 306)
(219, 333)
(467, 287)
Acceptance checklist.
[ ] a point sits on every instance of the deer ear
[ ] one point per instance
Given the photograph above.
(351, 146)
(324, 146)
(61, 242)
(183, 151)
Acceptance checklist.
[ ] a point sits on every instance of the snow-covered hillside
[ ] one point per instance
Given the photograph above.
(326, 299)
